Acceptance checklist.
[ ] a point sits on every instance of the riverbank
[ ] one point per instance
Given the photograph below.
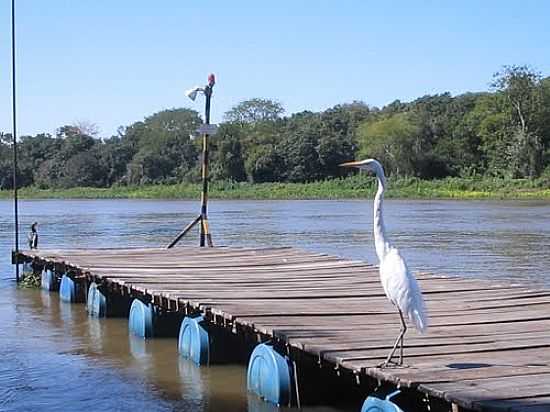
(350, 188)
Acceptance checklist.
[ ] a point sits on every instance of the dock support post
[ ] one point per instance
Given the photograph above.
(296, 386)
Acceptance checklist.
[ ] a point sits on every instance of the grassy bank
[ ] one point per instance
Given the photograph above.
(349, 188)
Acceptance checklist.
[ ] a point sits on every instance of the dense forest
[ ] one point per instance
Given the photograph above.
(504, 132)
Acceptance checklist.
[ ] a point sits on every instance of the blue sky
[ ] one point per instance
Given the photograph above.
(114, 62)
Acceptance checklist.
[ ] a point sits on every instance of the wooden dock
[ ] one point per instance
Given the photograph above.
(487, 349)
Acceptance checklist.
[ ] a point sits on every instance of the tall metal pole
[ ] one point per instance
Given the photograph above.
(204, 233)
(205, 236)
(14, 108)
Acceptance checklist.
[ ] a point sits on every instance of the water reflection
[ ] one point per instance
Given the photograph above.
(56, 358)
(138, 349)
(46, 299)
(190, 379)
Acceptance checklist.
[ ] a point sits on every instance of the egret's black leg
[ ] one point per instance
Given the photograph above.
(398, 341)
(403, 331)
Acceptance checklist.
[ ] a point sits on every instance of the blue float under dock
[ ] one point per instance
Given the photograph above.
(49, 280)
(142, 319)
(96, 301)
(269, 375)
(70, 291)
(194, 340)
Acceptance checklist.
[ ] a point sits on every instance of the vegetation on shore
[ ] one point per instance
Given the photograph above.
(475, 145)
(359, 186)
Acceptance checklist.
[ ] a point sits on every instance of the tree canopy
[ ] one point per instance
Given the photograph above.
(502, 132)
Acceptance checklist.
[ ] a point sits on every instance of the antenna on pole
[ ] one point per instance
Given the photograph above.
(14, 135)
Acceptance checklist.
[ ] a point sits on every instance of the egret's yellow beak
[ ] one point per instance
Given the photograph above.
(350, 164)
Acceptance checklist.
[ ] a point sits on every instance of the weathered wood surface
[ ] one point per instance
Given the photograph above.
(488, 346)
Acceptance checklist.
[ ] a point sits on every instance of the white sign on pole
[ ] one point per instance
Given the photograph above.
(210, 129)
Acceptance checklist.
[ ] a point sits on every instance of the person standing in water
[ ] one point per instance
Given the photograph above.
(33, 236)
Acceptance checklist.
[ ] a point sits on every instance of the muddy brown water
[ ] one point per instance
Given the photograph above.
(54, 358)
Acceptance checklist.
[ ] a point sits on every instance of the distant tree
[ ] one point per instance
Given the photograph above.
(84, 170)
(254, 111)
(75, 141)
(337, 136)
(397, 106)
(394, 140)
(87, 128)
(6, 167)
(6, 138)
(523, 96)
(462, 147)
(343, 119)
(334, 150)
(114, 156)
(448, 139)
(161, 147)
(48, 175)
(264, 164)
(228, 163)
(545, 123)
(302, 163)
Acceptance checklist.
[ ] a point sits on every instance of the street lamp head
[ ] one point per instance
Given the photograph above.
(192, 93)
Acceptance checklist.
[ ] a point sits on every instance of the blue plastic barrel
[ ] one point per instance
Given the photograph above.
(374, 404)
(141, 320)
(68, 289)
(269, 375)
(193, 341)
(96, 303)
(49, 280)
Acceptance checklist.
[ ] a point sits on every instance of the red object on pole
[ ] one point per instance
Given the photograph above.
(211, 79)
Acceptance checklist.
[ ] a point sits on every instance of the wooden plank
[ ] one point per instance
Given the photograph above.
(533, 404)
(470, 392)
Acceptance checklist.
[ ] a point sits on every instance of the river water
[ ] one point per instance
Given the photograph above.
(54, 358)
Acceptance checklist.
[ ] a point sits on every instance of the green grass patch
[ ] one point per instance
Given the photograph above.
(359, 186)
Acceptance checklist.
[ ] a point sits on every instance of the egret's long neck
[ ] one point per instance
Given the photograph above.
(380, 242)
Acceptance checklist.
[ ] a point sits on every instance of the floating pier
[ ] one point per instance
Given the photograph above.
(487, 349)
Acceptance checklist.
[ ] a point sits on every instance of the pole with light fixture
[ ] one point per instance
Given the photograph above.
(205, 236)
(15, 253)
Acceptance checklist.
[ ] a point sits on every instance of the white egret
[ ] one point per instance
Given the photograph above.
(398, 282)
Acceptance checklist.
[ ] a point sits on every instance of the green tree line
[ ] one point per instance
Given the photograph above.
(504, 132)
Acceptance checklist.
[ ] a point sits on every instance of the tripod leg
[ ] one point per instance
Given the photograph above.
(184, 232)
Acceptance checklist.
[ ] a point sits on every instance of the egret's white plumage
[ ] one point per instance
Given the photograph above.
(398, 282)
(402, 289)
